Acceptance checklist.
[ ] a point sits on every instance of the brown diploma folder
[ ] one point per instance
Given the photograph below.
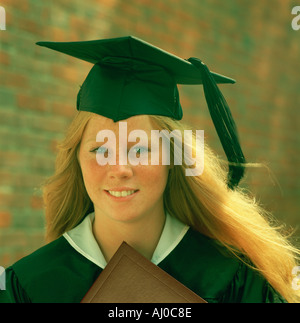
(131, 278)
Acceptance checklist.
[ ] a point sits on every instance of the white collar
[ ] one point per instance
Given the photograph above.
(81, 238)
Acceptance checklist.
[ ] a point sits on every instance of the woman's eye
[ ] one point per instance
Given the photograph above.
(140, 150)
(99, 150)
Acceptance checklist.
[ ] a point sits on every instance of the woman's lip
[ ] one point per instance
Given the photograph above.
(119, 189)
(122, 198)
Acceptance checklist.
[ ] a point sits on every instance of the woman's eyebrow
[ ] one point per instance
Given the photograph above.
(129, 144)
(89, 140)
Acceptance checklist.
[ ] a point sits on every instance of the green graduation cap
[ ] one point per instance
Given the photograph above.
(132, 77)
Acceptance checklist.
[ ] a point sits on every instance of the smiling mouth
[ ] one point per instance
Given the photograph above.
(121, 193)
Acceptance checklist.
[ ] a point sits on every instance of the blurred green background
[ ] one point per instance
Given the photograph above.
(250, 41)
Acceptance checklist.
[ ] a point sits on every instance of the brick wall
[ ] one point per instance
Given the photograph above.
(251, 41)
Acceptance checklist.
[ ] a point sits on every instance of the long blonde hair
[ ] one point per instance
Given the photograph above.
(232, 217)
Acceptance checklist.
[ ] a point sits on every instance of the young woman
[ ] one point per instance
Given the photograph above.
(215, 240)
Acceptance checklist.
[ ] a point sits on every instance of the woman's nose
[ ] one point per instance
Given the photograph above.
(120, 171)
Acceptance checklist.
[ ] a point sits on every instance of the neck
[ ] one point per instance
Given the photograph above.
(143, 234)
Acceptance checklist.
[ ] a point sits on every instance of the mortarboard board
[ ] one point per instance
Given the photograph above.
(132, 77)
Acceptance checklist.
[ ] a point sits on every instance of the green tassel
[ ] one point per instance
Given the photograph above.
(224, 124)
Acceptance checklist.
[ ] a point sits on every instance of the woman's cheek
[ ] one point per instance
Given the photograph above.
(155, 176)
(91, 171)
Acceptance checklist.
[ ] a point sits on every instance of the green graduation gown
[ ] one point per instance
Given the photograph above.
(64, 270)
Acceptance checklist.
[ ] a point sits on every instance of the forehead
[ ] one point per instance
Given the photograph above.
(97, 123)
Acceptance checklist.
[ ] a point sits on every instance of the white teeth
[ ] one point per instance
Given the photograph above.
(121, 193)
